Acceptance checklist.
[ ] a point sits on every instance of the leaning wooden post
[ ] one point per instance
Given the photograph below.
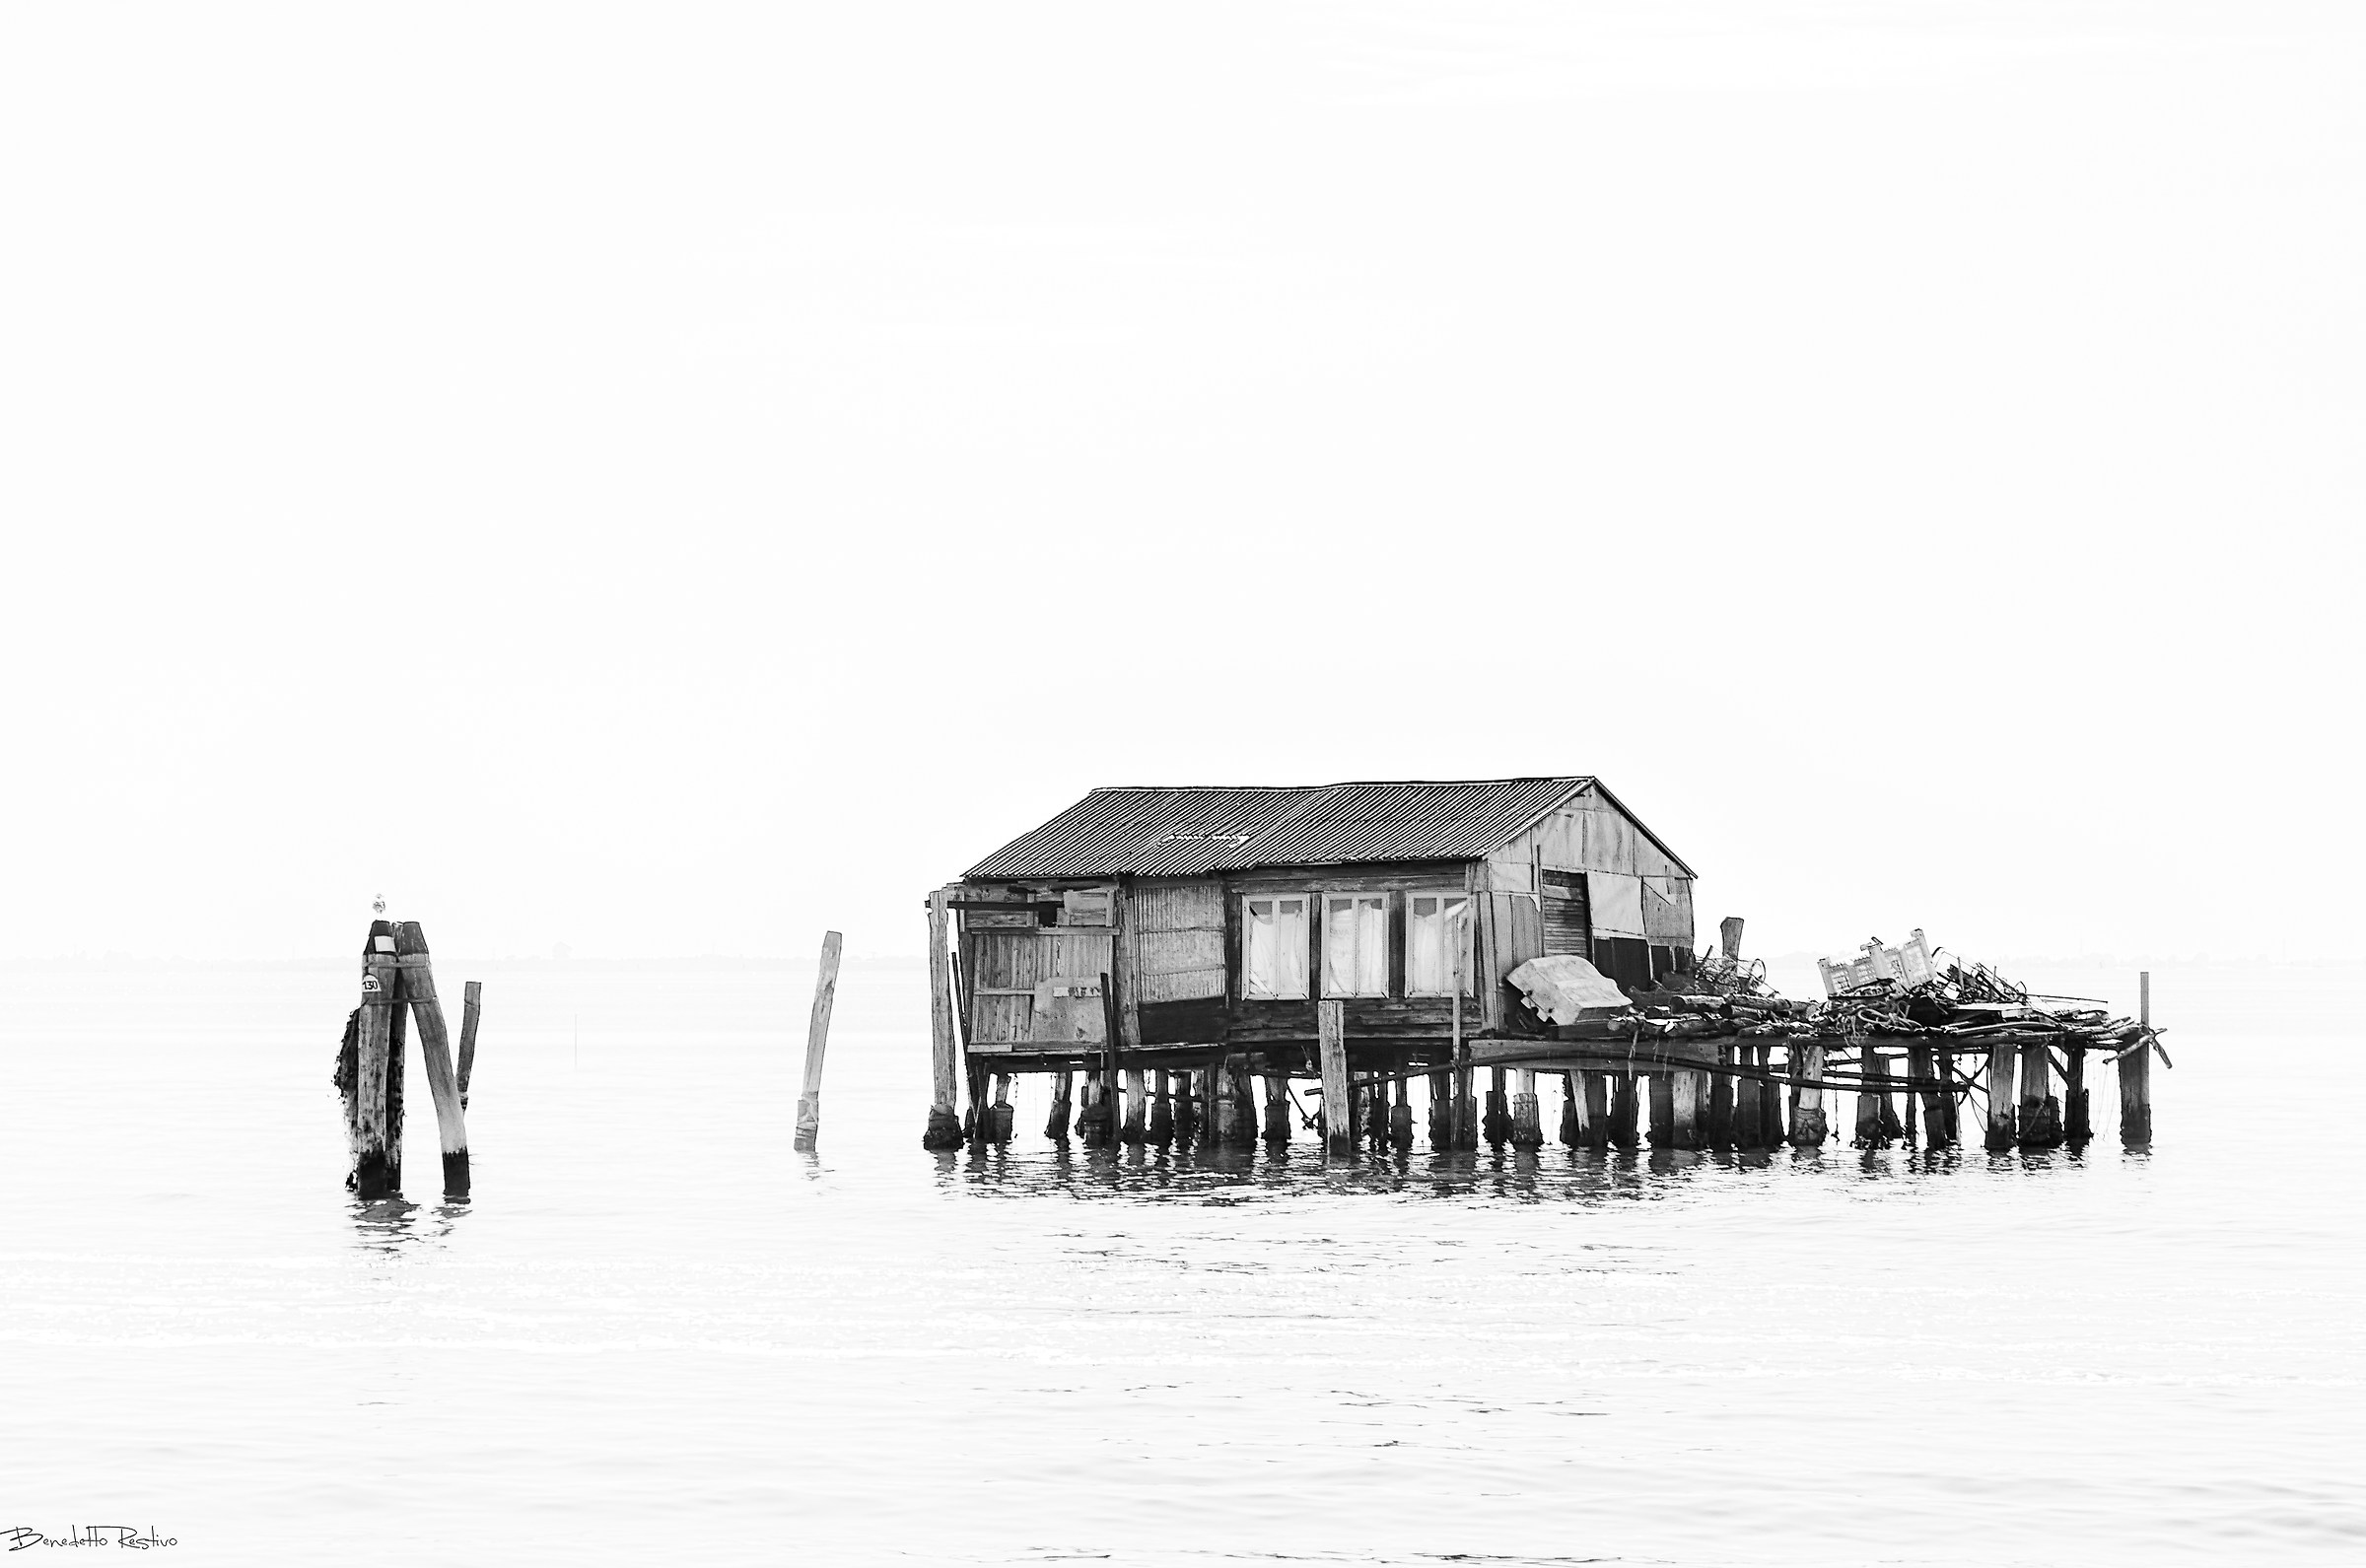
(1809, 1127)
(416, 986)
(2000, 1098)
(945, 1103)
(366, 1119)
(2041, 1124)
(2135, 1074)
(473, 1007)
(1339, 1129)
(817, 1042)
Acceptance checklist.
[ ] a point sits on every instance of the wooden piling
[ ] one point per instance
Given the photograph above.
(1498, 1122)
(1685, 1096)
(1276, 1108)
(416, 988)
(1662, 1099)
(1770, 1104)
(817, 1042)
(1005, 1112)
(2001, 1103)
(2135, 1074)
(1339, 1132)
(1441, 1111)
(1189, 1113)
(1748, 1121)
(1138, 1109)
(1400, 1116)
(2041, 1120)
(1375, 1115)
(1625, 1112)
(1716, 1123)
(472, 1007)
(1572, 1118)
(1527, 1118)
(1596, 1126)
(374, 1142)
(1938, 1107)
(1160, 1133)
(945, 1053)
(1809, 1125)
(1055, 1127)
(2079, 1125)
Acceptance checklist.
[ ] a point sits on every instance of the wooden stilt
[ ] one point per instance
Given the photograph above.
(472, 1007)
(1136, 1130)
(1466, 1108)
(1160, 1133)
(2079, 1125)
(1441, 1111)
(1400, 1115)
(945, 1064)
(1339, 1132)
(1625, 1112)
(2041, 1122)
(818, 1043)
(1597, 1124)
(1055, 1127)
(416, 987)
(1770, 1104)
(1868, 1103)
(1527, 1117)
(1716, 1127)
(1375, 1115)
(1572, 1113)
(398, 1037)
(1748, 1121)
(1191, 1109)
(1005, 1112)
(1276, 1108)
(2001, 1103)
(1684, 1108)
(1498, 1122)
(1809, 1126)
(1662, 1098)
(1938, 1105)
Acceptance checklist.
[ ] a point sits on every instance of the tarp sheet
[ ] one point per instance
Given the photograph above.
(1560, 988)
(1616, 903)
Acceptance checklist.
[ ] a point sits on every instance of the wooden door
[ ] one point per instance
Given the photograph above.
(1568, 926)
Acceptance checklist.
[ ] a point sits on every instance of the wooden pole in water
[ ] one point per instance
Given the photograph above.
(1868, 1101)
(1718, 1125)
(368, 1134)
(1063, 1098)
(1002, 1112)
(1770, 1104)
(1625, 1113)
(1938, 1132)
(1747, 1123)
(1137, 1108)
(2001, 1103)
(1339, 1131)
(817, 1042)
(1161, 1131)
(417, 988)
(2077, 1126)
(1662, 1099)
(1595, 1125)
(1498, 1122)
(1809, 1126)
(2041, 1122)
(1400, 1115)
(945, 1103)
(1527, 1118)
(2135, 1074)
(1684, 1108)
(1276, 1108)
(1441, 1111)
(473, 1007)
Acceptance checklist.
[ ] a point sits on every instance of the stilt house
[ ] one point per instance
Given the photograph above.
(1223, 916)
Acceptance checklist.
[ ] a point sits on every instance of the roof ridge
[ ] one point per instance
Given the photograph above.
(1343, 784)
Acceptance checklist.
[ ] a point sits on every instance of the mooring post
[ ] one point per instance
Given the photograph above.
(1809, 1126)
(368, 1117)
(817, 1042)
(473, 1007)
(2135, 1074)
(2040, 1121)
(2000, 1098)
(945, 1055)
(416, 982)
(1339, 1129)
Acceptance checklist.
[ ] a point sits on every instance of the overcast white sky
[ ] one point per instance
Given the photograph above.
(665, 479)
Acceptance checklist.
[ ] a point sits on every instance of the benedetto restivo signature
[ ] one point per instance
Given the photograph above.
(24, 1537)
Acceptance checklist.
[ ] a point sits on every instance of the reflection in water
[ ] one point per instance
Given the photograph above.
(388, 1225)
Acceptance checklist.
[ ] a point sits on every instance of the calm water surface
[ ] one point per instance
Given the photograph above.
(657, 1334)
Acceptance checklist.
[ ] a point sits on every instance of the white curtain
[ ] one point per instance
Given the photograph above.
(1274, 943)
(1434, 924)
(1355, 947)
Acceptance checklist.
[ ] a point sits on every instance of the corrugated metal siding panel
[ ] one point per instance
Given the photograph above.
(1192, 832)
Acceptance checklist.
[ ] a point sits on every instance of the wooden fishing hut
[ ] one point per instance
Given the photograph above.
(1196, 939)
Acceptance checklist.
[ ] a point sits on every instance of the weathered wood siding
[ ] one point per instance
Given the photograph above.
(1636, 888)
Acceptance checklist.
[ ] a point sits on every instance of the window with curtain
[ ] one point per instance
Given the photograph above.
(1272, 942)
(1355, 944)
(1437, 925)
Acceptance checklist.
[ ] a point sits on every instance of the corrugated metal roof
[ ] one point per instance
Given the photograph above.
(1191, 832)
